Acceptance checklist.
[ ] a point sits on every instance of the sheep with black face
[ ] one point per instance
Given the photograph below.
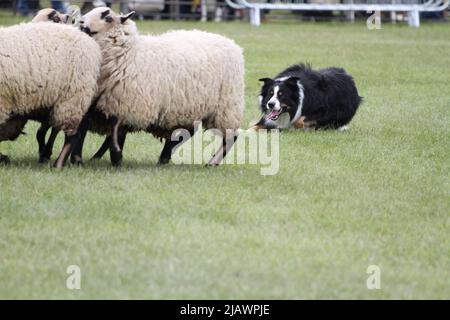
(164, 82)
(51, 73)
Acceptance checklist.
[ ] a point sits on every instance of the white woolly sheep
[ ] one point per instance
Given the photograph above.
(46, 70)
(161, 83)
(45, 149)
(51, 15)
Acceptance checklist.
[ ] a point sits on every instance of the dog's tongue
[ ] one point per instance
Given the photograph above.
(273, 114)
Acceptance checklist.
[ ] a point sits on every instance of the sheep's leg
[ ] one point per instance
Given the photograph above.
(40, 137)
(76, 156)
(122, 138)
(114, 147)
(69, 143)
(222, 152)
(4, 159)
(105, 146)
(121, 143)
(170, 146)
(46, 150)
(166, 153)
(50, 142)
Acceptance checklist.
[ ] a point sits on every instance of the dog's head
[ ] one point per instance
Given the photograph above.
(279, 99)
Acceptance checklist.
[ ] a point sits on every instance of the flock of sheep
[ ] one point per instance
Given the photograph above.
(110, 80)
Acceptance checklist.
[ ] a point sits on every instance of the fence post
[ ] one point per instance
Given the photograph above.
(255, 16)
(414, 18)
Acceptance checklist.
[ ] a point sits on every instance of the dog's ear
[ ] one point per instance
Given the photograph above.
(322, 83)
(292, 81)
(266, 80)
(127, 16)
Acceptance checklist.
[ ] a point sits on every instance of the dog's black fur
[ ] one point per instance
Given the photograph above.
(330, 98)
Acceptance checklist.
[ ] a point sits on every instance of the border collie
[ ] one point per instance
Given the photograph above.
(300, 97)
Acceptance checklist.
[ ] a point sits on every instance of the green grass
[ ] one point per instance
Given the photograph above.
(375, 195)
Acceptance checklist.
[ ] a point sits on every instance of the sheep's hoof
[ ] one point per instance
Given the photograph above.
(78, 163)
(211, 164)
(76, 160)
(116, 159)
(44, 159)
(4, 159)
(163, 161)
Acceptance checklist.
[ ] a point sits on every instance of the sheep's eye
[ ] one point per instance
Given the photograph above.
(108, 19)
(280, 93)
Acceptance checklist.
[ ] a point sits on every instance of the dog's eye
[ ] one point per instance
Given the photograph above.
(280, 93)
(271, 93)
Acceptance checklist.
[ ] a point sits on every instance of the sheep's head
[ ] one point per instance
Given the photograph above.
(101, 20)
(48, 14)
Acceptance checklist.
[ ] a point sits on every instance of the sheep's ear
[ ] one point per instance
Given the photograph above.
(104, 14)
(124, 18)
(51, 15)
(266, 80)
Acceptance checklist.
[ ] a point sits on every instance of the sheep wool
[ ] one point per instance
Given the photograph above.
(170, 80)
(47, 66)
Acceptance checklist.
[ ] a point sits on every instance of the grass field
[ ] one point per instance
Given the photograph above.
(378, 194)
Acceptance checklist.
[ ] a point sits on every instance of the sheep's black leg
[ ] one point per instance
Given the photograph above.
(48, 149)
(105, 146)
(77, 154)
(40, 137)
(170, 146)
(222, 152)
(69, 143)
(4, 159)
(227, 143)
(166, 153)
(122, 138)
(115, 151)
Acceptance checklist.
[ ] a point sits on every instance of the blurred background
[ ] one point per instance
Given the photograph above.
(228, 10)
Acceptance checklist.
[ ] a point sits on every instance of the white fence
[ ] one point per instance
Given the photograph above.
(411, 7)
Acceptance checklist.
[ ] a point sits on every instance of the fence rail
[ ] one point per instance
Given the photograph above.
(219, 10)
(413, 8)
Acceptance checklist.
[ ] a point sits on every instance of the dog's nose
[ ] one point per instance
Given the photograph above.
(271, 105)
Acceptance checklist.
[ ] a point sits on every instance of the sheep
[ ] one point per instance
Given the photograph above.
(161, 83)
(46, 70)
(45, 149)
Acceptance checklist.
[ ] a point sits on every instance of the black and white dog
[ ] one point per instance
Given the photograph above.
(304, 98)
